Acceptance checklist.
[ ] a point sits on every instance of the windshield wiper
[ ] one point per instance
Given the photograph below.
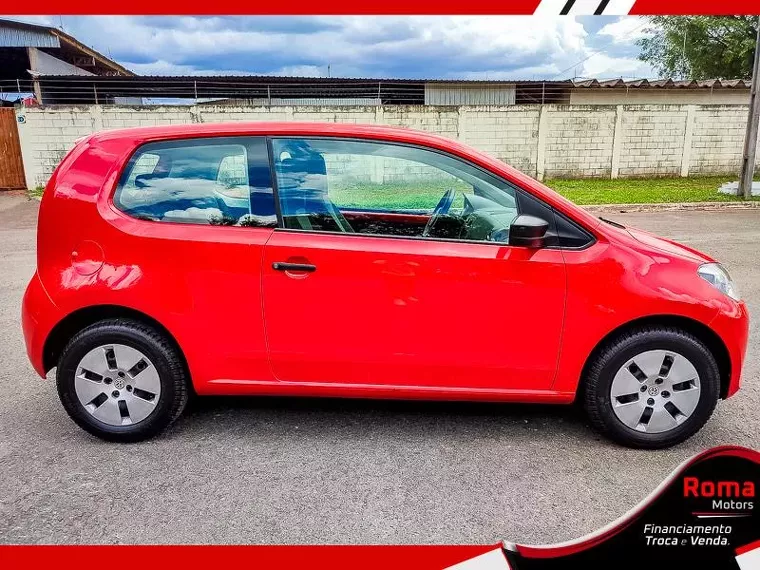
(610, 222)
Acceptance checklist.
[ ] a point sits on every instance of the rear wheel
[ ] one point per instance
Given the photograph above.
(122, 380)
(652, 387)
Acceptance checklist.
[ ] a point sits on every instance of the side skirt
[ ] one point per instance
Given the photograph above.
(222, 387)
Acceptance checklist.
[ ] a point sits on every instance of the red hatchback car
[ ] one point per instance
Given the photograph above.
(360, 261)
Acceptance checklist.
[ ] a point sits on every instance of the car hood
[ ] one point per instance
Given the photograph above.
(668, 246)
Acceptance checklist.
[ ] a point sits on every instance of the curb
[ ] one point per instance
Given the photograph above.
(672, 207)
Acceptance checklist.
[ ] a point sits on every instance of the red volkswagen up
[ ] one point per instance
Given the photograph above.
(360, 261)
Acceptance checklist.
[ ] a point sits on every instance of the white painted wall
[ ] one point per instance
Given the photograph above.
(542, 141)
(42, 63)
(470, 93)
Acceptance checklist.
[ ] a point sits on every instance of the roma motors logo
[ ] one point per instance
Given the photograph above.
(702, 516)
(725, 495)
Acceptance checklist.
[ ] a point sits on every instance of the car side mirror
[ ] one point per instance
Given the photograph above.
(143, 180)
(528, 231)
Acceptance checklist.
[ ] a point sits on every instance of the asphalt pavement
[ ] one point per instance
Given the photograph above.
(308, 471)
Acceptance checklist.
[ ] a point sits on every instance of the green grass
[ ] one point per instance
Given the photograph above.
(394, 195)
(588, 191)
(35, 192)
(644, 190)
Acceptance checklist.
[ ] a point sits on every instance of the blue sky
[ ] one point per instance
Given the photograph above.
(492, 47)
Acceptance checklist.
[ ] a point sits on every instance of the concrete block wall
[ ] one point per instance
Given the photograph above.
(507, 133)
(652, 141)
(579, 143)
(718, 140)
(47, 137)
(543, 141)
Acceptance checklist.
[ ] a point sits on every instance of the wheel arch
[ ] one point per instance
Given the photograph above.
(74, 322)
(710, 338)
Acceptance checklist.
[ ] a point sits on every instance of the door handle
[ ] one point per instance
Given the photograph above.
(281, 266)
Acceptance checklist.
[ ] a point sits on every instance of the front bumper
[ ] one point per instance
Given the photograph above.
(733, 328)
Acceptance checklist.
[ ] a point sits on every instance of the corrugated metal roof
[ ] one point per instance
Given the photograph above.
(583, 83)
(12, 35)
(663, 84)
(34, 32)
(374, 80)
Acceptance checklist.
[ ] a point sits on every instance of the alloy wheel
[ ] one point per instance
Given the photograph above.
(655, 391)
(117, 384)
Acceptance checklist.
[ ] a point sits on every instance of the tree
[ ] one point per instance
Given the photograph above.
(700, 47)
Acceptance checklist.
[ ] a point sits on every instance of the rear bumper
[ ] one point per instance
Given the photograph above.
(733, 328)
(38, 315)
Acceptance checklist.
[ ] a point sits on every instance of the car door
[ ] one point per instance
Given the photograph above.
(192, 217)
(390, 267)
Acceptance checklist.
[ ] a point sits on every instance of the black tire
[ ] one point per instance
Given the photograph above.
(162, 353)
(614, 354)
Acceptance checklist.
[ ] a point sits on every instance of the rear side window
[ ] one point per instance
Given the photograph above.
(217, 181)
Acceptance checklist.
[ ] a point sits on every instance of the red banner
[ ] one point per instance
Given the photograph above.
(231, 557)
(449, 7)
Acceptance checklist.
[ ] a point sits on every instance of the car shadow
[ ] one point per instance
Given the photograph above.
(407, 418)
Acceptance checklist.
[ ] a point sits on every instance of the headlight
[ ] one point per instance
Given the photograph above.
(718, 277)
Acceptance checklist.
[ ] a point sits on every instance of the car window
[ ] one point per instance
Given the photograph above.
(233, 171)
(223, 181)
(350, 186)
(145, 164)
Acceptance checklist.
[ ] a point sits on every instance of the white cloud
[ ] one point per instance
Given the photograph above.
(535, 72)
(302, 71)
(474, 47)
(601, 66)
(625, 30)
(38, 20)
(163, 67)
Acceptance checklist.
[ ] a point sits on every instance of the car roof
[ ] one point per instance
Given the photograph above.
(273, 128)
(140, 135)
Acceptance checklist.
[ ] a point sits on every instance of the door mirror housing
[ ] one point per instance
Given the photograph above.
(528, 231)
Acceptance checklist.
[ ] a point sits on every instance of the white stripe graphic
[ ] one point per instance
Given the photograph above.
(749, 560)
(550, 7)
(584, 7)
(491, 560)
(619, 7)
(725, 516)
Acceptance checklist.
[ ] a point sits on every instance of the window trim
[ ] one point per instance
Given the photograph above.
(276, 186)
(281, 223)
(557, 214)
(133, 155)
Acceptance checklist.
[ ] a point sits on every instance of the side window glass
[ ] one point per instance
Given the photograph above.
(223, 181)
(233, 171)
(377, 188)
(145, 164)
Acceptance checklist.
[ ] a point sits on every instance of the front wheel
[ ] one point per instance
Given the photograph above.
(652, 387)
(122, 380)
